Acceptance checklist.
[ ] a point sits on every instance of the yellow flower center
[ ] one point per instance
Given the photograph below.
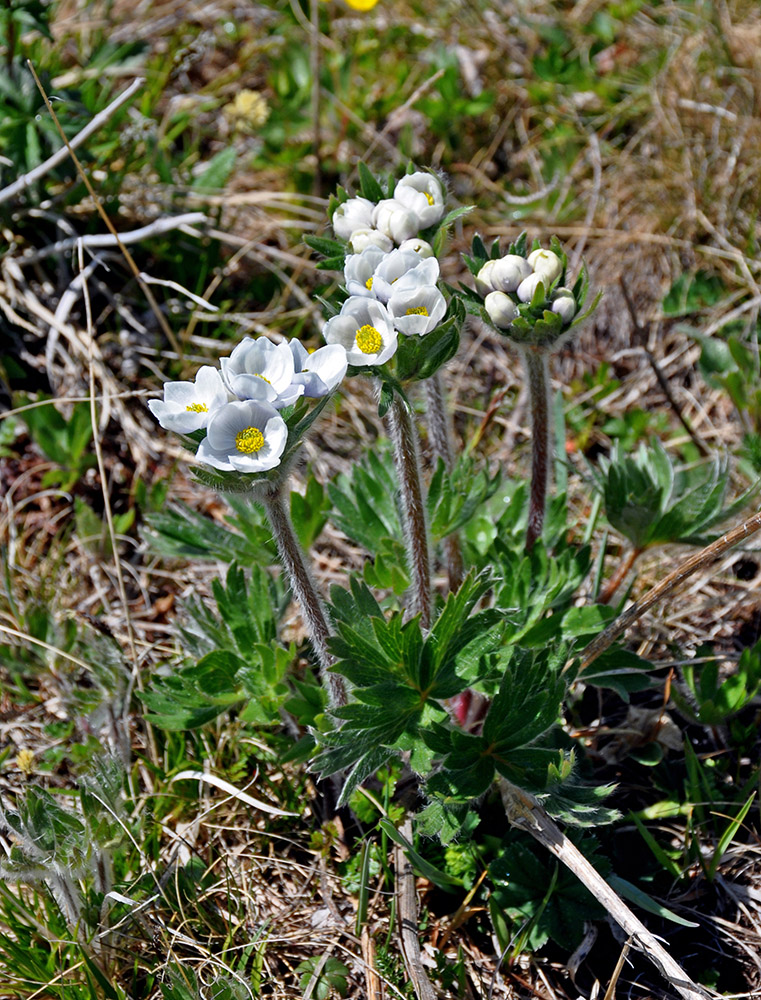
(417, 311)
(197, 408)
(369, 283)
(429, 197)
(369, 341)
(249, 440)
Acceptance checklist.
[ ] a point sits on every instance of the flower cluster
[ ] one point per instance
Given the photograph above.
(239, 406)
(513, 279)
(418, 203)
(392, 290)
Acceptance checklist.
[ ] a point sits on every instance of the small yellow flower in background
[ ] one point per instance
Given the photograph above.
(361, 4)
(248, 110)
(25, 762)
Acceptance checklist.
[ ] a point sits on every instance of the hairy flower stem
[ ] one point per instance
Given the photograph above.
(538, 371)
(304, 589)
(441, 443)
(407, 457)
(622, 571)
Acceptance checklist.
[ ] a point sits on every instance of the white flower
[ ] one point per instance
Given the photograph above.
(259, 369)
(361, 239)
(395, 220)
(398, 263)
(418, 246)
(321, 371)
(528, 286)
(187, 406)
(509, 271)
(244, 436)
(416, 308)
(365, 329)
(356, 213)
(423, 194)
(501, 309)
(564, 304)
(546, 263)
(484, 278)
(359, 271)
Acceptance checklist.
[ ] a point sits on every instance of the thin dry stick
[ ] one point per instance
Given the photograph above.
(663, 382)
(408, 918)
(441, 443)
(314, 66)
(695, 562)
(525, 813)
(60, 154)
(135, 676)
(609, 591)
(167, 330)
(611, 990)
(101, 240)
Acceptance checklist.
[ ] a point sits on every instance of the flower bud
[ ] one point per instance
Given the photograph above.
(484, 278)
(356, 213)
(501, 309)
(527, 287)
(395, 220)
(509, 271)
(420, 247)
(361, 239)
(546, 263)
(564, 304)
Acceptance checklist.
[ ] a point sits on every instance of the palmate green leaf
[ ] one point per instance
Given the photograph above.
(364, 502)
(309, 511)
(455, 498)
(418, 358)
(181, 532)
(620, 670)
(527, 887)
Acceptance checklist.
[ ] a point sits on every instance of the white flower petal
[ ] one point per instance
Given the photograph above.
(395, 220)
(356, 213)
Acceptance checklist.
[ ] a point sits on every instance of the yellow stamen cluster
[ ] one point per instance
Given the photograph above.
(417, 311)
(249, 440)
(197, 408)
(429, 197)
(369, 283)
(369, 341)
(259, 375)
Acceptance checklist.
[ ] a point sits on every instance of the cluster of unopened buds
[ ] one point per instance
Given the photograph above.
(518, 290)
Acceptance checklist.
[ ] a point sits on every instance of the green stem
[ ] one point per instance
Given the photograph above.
(407, 458)
(441, 443)
(304, 589)
(538, 371)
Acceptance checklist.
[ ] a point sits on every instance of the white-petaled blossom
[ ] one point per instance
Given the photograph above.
(365, 329)
(546, 263)
(509, 271)
(423, 194)
(401, 262)
(244, 436)
(564, 304)
(321, 371)
(395, 220)
(359, 271)
(528, 286)
(501, 309)
(416, 307)
(187, 406)
(356, 213)
(361, 239)
(259, 369)
(483, 278)
(418, 246)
